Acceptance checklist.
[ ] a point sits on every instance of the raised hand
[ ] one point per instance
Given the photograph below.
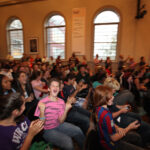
(41, 106)
(35, 127)
(68, 106)
(71, 100)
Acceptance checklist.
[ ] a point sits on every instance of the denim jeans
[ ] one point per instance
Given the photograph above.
(80, 117)
(62, 135)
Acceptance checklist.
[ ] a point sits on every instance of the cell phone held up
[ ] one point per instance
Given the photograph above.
(128, 107)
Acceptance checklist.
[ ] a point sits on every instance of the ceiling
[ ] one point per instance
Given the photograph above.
(15, 2)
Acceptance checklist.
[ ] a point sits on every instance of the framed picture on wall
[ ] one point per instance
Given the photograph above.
(33, 45)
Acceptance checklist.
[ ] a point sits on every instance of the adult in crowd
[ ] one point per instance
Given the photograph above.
(108, 66)
(58, 61)
(122, 61)
(97, 61)
(142, 61)
(74, 59)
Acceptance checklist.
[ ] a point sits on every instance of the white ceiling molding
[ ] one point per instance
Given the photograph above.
(4, 3)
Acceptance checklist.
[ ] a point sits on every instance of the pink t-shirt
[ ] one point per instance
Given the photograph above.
(34, 84)
(53, 110)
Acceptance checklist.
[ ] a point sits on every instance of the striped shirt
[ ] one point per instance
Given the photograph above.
(106, 127)
(53, 110)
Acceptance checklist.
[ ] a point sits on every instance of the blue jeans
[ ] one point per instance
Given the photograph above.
(62, 135)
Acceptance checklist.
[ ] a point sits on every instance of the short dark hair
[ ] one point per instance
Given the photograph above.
(8, 103)
(101, 95)
(54, 79)
(70, 76)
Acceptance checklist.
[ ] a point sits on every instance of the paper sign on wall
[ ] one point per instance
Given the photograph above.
(78, 30)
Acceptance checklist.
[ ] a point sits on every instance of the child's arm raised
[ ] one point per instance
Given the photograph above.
(42, 111)
(69, 103)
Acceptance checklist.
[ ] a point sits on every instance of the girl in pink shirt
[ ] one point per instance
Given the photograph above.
(54, 111)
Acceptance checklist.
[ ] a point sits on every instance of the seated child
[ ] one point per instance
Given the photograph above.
(16, 133)
(53, 111)
(110, 134)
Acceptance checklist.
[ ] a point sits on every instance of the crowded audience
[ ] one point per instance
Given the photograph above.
(62, 102)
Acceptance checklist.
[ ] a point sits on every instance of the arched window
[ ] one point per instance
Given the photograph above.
(105, 34)
(55, 36)
(15, 38)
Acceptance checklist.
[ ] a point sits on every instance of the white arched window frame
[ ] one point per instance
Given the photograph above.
(106, 25)
(55, 36)
(15, 38)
